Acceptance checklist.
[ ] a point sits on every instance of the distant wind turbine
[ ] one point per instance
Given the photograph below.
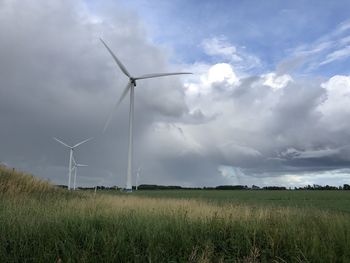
(71, 155)
(130, 86)
(137, 177)
(75, 167)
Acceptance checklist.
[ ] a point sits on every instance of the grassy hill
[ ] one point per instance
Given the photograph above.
(14, 183)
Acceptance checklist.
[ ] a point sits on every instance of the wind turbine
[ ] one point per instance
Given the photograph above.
(75, 167)
(130, 86)
(71, 150)
(137, 177)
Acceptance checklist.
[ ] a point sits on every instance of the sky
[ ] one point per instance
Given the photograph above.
(268, 102)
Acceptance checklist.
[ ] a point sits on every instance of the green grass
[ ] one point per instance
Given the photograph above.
(43, 226)
(330, 200)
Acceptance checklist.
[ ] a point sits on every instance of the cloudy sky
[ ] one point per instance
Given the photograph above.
(268, 103)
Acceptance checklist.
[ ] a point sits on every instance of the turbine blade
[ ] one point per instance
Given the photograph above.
(125, 91)
(80, 143)
(156, 75)
(81, 165)
(61, 142)
(121, 66)
(74, 162)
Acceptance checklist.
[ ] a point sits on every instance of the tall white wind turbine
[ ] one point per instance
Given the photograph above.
(130, 86)
(75, 167)
(71, 150)
(137, 177)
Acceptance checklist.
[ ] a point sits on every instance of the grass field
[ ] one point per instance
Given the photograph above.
(330, 200)
(40, 223)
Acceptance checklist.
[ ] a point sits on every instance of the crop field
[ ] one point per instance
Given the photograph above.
(41, 223)
(327, 200)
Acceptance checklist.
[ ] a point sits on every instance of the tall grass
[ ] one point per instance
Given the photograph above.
(128, 228)
(13, 183)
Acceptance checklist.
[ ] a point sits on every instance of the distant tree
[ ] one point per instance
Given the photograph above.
(330, 187)
(232, 187)
(274, 188)
(158, 187)
(346, 187)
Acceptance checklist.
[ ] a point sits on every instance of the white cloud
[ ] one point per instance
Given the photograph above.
(276, 82)
(314, 48)
(335, 108)
(335, 178)
(337, 55)
(329, 48)
(344, 26)
(217, 75)
(237, 176)
(221, 72)
(220, 47)
(232, 173)
(226, 171)
(238, 57)
(345, 40)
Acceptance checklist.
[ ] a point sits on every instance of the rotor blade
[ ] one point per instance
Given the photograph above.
(80, 143)
(74, 162)
(121, 66)
(156, 75)
(81, 165)
(125, 91)
(61, 142)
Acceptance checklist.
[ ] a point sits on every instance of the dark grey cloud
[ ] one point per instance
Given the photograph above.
(56, 79)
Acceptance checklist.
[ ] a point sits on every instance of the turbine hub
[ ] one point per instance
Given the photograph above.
(133, 81)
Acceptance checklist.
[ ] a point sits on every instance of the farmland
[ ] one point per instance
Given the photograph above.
(328, 200)
(41, 223)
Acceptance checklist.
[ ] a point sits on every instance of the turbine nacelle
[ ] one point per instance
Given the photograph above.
(133, 81)
(72, 147)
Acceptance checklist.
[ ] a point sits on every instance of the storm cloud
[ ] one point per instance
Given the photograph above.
(206, 129)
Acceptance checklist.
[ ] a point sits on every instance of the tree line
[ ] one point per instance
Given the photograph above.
(220, 187)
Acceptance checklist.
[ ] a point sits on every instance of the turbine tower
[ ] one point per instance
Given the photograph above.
(130, 86)
(137, 177)
(71, 150)
(75, 167)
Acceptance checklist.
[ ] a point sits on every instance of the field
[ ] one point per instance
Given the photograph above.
(326, 200)
(40, 223)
